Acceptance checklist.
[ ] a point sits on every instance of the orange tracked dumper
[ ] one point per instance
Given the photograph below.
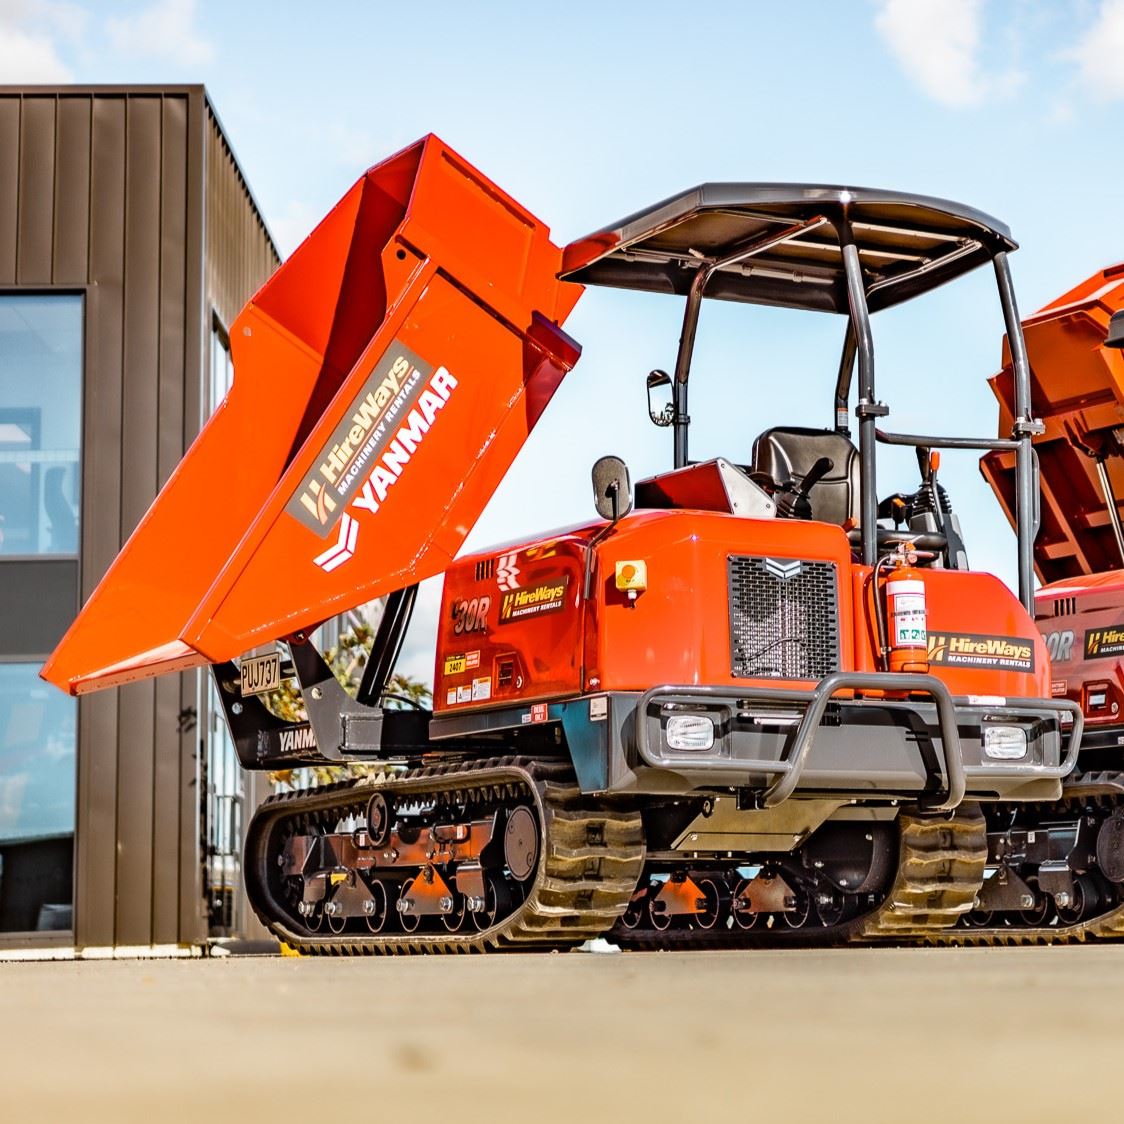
(1073, 847)
(754, 700)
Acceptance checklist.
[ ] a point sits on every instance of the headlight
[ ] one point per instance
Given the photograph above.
(690, 731)
(1005, 742)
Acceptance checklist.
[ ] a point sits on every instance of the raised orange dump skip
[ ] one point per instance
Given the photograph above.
(384, 380)
(1077, 389)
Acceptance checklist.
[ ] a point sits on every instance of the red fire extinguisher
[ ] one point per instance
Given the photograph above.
(906, 615)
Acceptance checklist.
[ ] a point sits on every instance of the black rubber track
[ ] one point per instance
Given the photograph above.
(591, 856)
(940, 865)
(1107, 926)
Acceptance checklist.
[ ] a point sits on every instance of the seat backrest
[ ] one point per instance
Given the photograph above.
(786, 453)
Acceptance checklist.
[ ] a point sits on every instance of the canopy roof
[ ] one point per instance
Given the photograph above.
(908, 244)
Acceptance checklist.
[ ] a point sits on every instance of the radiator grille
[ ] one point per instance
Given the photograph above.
(784, 618)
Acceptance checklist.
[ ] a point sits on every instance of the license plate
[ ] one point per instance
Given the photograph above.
(261, 674)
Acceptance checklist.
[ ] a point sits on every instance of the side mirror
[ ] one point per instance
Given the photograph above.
(612, 488)
(1115, 337)
(664, 416)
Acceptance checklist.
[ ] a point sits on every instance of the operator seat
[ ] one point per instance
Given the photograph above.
(786, 453)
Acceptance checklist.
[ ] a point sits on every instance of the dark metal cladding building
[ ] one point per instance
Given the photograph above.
(129, 240)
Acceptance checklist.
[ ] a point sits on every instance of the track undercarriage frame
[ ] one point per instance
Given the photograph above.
(486, 853)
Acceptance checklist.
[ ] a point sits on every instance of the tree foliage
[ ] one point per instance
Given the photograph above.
(347, 659)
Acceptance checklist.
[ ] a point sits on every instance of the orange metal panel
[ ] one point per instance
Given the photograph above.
(1082, 621)
(675, 631)
(981, 639)
(511, 625)
(1077, 389)
(678, 630)
(385, 378)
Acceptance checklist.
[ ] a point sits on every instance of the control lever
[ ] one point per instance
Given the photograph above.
(928, 462)
(895, 507)
(793, 503)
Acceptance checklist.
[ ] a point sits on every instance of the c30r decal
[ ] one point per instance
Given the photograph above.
(471, 615)
(1060, 644)
(967, 649)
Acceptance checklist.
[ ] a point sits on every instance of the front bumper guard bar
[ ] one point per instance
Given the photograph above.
(953, 784)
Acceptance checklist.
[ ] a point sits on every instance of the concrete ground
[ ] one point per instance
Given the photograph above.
(1017, 1035)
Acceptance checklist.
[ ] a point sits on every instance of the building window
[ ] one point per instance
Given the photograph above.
(40, 422)
(224, 786)
(37, 744)
(40, 488)
(222, 367)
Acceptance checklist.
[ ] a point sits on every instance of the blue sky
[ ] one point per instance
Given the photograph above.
(589, 111)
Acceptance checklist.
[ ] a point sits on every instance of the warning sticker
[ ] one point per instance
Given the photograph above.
(481, 689)
(909, 621)
(965, 649)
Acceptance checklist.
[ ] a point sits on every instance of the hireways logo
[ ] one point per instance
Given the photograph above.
(1103, 642)
(966, 649)
(370, 449)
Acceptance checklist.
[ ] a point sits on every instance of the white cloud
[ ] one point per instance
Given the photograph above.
(937, 45)
(29, 57)
(28, 29)
(1099, 53)
(166, 30)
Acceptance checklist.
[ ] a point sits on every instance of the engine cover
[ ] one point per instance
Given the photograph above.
(511, 625)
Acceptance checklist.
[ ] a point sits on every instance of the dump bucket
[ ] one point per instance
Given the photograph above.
(384, 379)
(1077, 390)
